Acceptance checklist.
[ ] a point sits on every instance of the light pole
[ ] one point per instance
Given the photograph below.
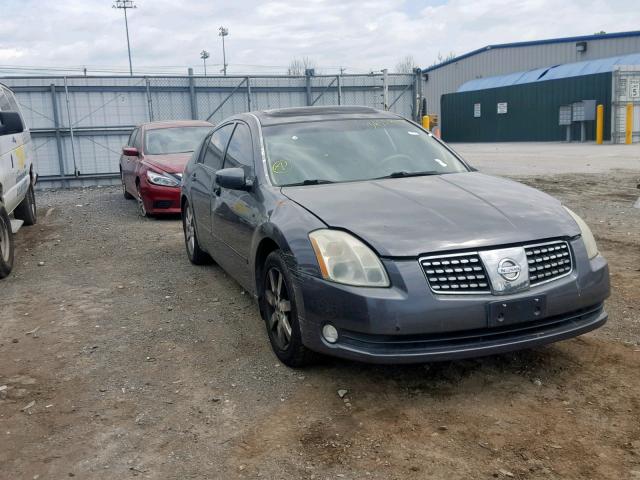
(223, 33)
(125, 5)
(204, 55)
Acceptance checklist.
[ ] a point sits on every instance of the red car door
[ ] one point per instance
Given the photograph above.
(131, 162)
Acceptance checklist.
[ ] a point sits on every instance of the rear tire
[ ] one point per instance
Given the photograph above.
(280, 313)
(196, 255)
(126, 194)
(27, 211)
(6, 244)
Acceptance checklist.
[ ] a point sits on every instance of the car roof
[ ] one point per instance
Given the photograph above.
(314, 114)
(174, 123)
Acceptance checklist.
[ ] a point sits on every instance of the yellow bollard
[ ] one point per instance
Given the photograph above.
(629, 130)
(599, 124)
(426, 122)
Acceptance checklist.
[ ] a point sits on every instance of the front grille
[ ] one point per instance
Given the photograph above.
(548, 261)
(456, 273)
(460, 273)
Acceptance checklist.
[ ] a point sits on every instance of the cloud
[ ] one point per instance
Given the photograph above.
(265, 36)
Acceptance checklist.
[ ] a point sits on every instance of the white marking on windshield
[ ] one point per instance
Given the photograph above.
(413, 133)
(440, 162)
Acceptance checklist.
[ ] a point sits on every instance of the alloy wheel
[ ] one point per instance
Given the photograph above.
(278, 308)
(189, 231)
(141, 207)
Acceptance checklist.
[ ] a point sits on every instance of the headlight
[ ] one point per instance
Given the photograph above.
(345, 259)
(161, 179)
(587, 236)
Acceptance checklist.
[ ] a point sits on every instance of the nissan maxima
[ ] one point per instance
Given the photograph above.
(363, 236)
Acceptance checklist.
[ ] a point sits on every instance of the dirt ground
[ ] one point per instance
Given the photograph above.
(122, 360)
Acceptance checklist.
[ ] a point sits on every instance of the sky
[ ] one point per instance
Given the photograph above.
(358, 35)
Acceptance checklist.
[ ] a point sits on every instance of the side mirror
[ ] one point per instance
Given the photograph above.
(130, 151)
(233, 178)
(10, 123)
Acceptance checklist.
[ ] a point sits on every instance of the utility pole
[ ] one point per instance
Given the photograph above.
(204, 55)
(125, 5)
(223, 33)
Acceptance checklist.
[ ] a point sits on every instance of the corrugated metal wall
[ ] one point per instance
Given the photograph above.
(532, 110)
(448, 78)
(100, 112)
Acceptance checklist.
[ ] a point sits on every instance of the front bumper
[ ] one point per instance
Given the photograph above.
(407, 323)
(160, 200)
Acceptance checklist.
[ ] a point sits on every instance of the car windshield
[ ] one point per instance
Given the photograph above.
(350, 150)
(161, 141)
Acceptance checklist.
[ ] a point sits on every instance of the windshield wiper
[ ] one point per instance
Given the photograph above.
(404, 173)
(314, 181)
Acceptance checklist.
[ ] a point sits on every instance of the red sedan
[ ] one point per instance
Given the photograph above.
(152, 162)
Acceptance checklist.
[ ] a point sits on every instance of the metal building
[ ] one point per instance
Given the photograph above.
(507, 58)
(547, 104)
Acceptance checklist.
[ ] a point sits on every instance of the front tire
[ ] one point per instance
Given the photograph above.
(6, 244)
(27, 211)
(279, 309)
(142, 210)
(196, 255)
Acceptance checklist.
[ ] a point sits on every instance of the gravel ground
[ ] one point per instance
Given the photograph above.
(123, 360)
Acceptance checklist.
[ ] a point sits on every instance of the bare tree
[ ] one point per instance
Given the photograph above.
(406, 65)
(298, 66)
(444, 58)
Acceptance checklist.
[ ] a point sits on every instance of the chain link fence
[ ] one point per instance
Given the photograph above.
(79, 124)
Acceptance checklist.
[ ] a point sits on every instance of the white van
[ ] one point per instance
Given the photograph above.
(17, 177)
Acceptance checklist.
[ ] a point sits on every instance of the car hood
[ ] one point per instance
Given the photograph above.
(417, 215)
(170, 163)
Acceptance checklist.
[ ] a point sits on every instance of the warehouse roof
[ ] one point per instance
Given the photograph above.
(555, 72)
(603, 36)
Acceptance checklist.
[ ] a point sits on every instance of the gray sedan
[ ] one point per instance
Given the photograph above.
(364, 237)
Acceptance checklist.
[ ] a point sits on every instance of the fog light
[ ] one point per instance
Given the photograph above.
(330, 333)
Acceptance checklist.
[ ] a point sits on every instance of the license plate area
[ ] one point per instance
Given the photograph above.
(508, 312)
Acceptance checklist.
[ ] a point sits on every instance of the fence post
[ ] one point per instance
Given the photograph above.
(308, 73)
(149, 102)
(385, 89)
(192, 95)
(249, 94)
(73, 148)
(56, 126)
(339, 80)
(417, 94)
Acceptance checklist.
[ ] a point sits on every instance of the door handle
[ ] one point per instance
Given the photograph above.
(193, 176)
(217, 191)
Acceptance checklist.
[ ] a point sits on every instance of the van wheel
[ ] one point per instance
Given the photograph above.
(26, 211)
(6, 244)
